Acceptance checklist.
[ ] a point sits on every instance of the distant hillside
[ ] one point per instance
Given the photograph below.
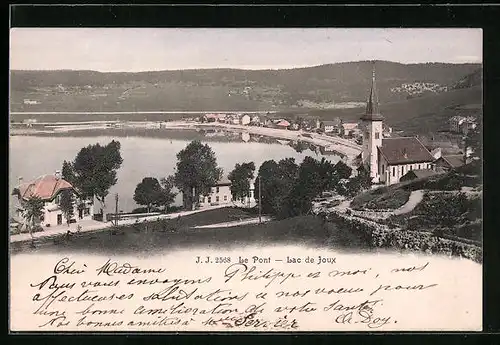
(226, 89)
(422, 114)
(470, 80)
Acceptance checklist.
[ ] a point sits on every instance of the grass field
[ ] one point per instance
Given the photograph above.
(172, 235)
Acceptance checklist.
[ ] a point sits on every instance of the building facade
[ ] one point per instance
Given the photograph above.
(388, 159)
(49, 189)
(220, 194)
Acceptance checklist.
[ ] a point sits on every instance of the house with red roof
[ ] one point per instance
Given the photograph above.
(389, 159)
(49, 188)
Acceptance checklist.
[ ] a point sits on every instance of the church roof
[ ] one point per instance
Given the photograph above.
(404, 150)
(372, 104)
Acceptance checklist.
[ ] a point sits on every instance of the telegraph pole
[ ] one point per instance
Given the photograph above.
(116, 209)
(260, 202)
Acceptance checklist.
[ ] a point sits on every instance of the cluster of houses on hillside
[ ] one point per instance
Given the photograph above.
(418, 88)
(461, 124)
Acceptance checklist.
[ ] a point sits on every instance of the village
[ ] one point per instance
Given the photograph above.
(375, 158)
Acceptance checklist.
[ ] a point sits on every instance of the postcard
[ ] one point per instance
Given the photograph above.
(237, 180)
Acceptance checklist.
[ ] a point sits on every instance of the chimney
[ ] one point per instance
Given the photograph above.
(57, 174)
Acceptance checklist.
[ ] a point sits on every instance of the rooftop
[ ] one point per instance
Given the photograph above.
(404, 150)
(45, 187)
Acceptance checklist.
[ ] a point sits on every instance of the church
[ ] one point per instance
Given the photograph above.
(388, 159)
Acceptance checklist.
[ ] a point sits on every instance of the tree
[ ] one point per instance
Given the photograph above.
(32, 211)
(314, 177)
(167, 196)
(196, 172)
(343, 171)
(151, 193)
(67, 204)
(67, 172)
(95, 169)
(277, 179)
(240, 179)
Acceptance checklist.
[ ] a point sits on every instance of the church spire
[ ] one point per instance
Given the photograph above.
(372, 109)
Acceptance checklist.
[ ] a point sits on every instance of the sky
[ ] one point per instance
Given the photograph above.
(149, 49)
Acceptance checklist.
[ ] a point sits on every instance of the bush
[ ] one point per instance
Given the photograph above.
(382, 198)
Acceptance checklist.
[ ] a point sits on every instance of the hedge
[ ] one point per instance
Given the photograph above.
(382, 236)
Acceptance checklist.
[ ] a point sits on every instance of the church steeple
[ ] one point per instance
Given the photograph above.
(372, 107)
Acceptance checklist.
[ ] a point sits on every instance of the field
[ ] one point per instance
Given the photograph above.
(156, 237)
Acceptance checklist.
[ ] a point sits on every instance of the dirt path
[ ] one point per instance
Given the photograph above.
(235, 223)
(414, 199)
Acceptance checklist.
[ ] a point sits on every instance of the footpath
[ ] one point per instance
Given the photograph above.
(94, 226)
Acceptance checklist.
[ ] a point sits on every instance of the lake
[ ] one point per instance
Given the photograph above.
(143, 156)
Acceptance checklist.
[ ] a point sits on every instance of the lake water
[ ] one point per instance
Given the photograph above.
(32, 156)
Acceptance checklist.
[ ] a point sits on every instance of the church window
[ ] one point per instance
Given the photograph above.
(377, 135)
(419, 166)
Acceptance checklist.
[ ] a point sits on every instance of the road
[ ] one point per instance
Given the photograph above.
(93, 225)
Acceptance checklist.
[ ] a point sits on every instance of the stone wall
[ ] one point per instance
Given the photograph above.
(381, 236)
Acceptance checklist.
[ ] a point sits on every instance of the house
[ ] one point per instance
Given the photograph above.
(255, 120)
(455, 123)
(460, 124)
(350, 129)
(220, 194)
(209, 118)
(333, 126)
(417, 174)
(221, 118)
(245, 120)
(29, 122)
(386, 130)
(446, 163)
(282, 124)
(49, 189)
(389, 159)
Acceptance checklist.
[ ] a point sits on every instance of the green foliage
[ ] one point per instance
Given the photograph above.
(68, 173)
(151, 193)
(240, 179)
(32, 211)
(196, 168)
(360, 182)
(343, 171)
(66, 204)
(95, 169)
(314, 177)
(276, 179)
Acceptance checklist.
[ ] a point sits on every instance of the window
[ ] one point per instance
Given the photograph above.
(209, 199)
(212, 190)
(225, 197)
(377, 135)
(419, 166)
(217, 189)
(411, 167)
(217, 198)
(383, 168)
(393, 171)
